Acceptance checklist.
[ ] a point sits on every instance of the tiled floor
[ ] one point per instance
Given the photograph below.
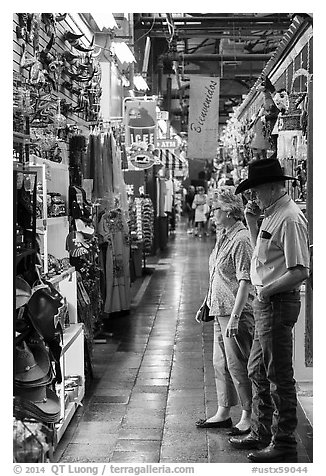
(154, 376)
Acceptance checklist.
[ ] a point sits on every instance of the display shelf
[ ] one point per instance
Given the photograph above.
(70, 335)
(69, 413)
(52, 220)
(72, 363)
(20, 136)
(35, 160)
(60, 277)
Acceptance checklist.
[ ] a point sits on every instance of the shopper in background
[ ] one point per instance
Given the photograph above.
(228, 298)
(280, 264)
(201, 208)
(189, 210)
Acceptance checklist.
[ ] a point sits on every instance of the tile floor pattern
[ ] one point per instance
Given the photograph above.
(154, 376)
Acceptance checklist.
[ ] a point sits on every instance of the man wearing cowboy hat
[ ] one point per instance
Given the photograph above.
(280, 264)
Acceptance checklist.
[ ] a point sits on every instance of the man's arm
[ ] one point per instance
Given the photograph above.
(252, 213)
(291, 279)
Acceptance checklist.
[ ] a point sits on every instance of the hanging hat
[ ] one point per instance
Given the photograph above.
(23, 292)
(31, 362)
(76, 244)
(44, 307)
(86, 230)
(261, 172)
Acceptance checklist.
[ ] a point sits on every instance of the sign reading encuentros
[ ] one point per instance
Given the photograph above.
(203, 117)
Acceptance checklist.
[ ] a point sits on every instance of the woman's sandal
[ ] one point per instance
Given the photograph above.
(214, 424)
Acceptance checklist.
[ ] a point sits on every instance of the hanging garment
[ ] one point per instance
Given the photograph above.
(147, 223)
(260, 139)
(107, 166)
(115, 164)
(123, 196)
(168, 196)
(113, 229)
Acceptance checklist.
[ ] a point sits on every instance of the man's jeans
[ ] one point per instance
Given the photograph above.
(271, 372)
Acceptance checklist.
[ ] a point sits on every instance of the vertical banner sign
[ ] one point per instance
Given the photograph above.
(140, 122)
(203, 117)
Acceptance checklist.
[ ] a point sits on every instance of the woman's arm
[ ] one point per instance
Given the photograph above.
(241, 297)
(239, 304)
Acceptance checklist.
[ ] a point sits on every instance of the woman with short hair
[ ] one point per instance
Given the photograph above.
(201, 208)
(228, 298)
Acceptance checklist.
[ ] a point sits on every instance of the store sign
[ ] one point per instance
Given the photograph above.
(167, 143)
(203, 117)
(142, 160)
(140, 122)
(162, 115)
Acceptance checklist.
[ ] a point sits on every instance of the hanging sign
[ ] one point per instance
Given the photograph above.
(167, 144)
(203, 117)
(162, 115)
(140, 121)
(142, 160)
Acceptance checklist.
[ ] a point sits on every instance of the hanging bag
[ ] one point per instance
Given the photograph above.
(291, 120)
(204, 313)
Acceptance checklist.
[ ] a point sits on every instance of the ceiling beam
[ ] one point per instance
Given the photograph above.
(232, 57)
(281, 18)
(218, 36)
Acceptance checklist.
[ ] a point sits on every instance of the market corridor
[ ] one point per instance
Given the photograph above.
(154, 378)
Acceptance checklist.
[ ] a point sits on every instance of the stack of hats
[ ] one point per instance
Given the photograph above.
(33, 375)
(38, 316)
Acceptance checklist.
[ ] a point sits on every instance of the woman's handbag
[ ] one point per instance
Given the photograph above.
(204, 314)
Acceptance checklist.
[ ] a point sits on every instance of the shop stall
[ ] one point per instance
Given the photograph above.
(72, 241)
(276, 117)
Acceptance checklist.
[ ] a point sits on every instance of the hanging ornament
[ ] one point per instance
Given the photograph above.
(59, 120)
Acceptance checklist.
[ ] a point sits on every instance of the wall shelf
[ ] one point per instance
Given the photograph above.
(60, 277)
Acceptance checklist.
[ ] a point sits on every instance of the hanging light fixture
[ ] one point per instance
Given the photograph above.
(122, 52)
(104, 20)
(140, 83)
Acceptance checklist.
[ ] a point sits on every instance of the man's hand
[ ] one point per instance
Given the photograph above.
(252, 212)
(232, 328)
(262, 294)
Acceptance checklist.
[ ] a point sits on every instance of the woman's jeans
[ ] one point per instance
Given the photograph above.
(230, 360)
(270, 370)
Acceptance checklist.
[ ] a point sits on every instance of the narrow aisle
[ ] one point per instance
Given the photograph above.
(154, 377)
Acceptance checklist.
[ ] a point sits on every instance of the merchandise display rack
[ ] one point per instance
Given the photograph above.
(55, 177)
(72, 363)
(53, 231)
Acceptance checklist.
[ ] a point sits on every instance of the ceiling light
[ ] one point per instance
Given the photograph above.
(104, 20)
(140, 83)
(123, 52)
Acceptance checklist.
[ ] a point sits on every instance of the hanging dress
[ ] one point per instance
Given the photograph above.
(113, 229)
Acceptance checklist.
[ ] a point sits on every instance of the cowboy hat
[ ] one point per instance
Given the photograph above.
(40, 403)
(261, 172)
(87, 231)
(23, 292)
(76, 244)
(31, 363)
(44, 307)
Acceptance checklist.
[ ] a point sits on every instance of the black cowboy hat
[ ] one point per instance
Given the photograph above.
(261, 172)
(39, 403)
